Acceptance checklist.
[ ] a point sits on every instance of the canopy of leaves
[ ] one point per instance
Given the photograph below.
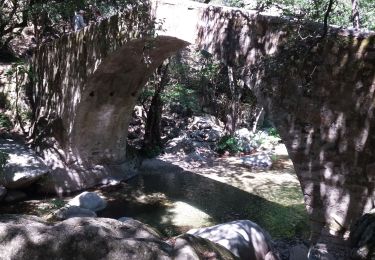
(311, 9)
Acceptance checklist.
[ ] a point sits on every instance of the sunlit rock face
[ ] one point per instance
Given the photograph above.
(319, 94)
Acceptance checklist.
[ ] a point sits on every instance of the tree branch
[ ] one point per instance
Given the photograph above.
(326, 17)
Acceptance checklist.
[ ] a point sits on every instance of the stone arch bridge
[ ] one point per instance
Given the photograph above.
(320, 94)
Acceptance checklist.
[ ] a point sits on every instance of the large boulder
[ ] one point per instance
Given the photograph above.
(243, 238)
(88, 200)
(188, 247)
(362, 237)
(23, 166)
(27, 237)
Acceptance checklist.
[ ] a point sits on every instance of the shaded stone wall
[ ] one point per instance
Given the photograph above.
(320, 95)
(86, 85)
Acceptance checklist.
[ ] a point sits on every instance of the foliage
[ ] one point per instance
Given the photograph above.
(273, 132)
(4, 102)
(57, 203)
(50, 18)
(5, 121)
(3, 160)
(229, 144)
(180, 94)
(312, 10)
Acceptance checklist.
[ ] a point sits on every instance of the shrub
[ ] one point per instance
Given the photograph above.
(273, 132)
(3, 160)
(229, 144)
(5, 121)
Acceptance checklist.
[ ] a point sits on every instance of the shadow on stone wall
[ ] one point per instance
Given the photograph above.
(320, 94)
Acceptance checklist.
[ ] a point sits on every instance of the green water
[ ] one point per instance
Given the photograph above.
(174, 202)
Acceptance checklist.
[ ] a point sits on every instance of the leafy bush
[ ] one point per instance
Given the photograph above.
(273, 132)
(5, 121)
(181, 94)
(3, 160)
(229, 144)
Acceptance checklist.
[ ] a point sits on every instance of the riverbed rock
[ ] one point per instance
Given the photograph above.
(362, 237)
(192, 247)
(3, 192)
(257, 161)
(14, 196)
(27, 237)
(88, 200)
(73, 212)
(206, 122)
(23, 166)
(244, 238)
(142, 229)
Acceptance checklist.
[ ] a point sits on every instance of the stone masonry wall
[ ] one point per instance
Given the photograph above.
(320, 94)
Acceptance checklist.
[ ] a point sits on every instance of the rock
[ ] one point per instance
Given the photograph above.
(243, 238)
(142, 229)
(206, 135)
(188, 247)
(3, 192)
(319, 252)
(206, 122)
(27, 237)
(362, 237)
(124, 219)
(181, 144)
(110, 182)
(298, 252)
(14, 196)
(244, 133)
(263, 161)
(72, 212)
(88, 200)
(23, 166)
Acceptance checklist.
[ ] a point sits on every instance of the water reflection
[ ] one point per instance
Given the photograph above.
(176, 201)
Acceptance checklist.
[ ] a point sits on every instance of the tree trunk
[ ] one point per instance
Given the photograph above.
(152, 137)
(236, 92)
(355, 14)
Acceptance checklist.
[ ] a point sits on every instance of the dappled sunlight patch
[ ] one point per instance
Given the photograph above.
(184, 214)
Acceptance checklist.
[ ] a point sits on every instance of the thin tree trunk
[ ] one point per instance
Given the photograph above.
(258, 119)
(152, 137)
(355, 14)
(235, 90)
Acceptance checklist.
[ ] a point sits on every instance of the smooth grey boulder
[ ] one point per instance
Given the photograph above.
(245, 239)
(190, 247)
(88, 200)
(23, 166)
(14, 195)
(27, 237)
(3, 192)
(72, 212)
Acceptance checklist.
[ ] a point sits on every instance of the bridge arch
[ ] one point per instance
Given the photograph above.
(332, 154)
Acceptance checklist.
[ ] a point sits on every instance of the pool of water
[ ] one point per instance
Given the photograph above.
(176, 201)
